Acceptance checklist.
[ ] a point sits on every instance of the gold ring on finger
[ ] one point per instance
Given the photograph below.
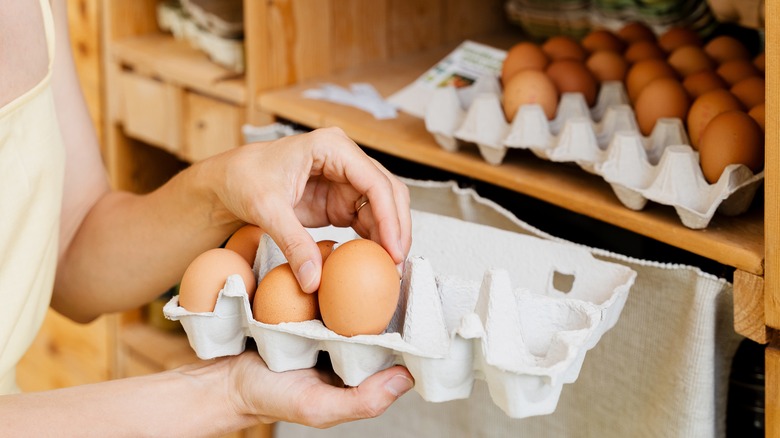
(360, 203)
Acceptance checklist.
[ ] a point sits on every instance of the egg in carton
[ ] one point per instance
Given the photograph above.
(604, 140)
(476, 302)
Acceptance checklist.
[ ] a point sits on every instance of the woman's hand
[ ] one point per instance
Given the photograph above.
(312, 180)
(311, 397)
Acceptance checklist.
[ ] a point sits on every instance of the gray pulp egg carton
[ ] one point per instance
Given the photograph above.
(476, 302)
(604, 140)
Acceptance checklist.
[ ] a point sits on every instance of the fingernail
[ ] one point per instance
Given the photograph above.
(400, 247)
(306, 274)
(398, 385)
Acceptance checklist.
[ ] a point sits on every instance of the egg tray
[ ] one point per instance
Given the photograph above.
(476, 302)
(604, 140)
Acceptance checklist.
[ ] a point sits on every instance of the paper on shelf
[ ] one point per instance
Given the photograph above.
(359, 95)
(461, 68)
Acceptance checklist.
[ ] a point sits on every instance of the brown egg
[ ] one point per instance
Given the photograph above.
(705, 108)
(760, 62)
(663, 97)
(758, 114)
(676, 37)
(279, 298)
(245, 242)
(750, 91)
(737, 70)
(326, 247)
(570, 76)
(607, 65)
(530, 87)
(732, 137)
(206, 276)
(688, 60)
(643, 49)
(699, 83)
(726, 48)
(522, 56)
(602, 39)
(563, 47)
(359, 289)
(643, 72)
(636, 31)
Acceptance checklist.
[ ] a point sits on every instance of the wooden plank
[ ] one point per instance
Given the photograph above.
(358, 32)
(122, 19)
(772, 170)
(749, 320)
(414, 26)
(152, 111)
(178, 63)
(736, 242)
(290, 38)
(210, 127)
(772, 215)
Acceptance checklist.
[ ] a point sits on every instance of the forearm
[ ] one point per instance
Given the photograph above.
(190, 401)
(131, 248)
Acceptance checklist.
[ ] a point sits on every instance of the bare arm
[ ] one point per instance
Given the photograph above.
(117, 250)
(203, 399)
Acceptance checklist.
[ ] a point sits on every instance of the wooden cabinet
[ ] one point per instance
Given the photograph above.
(293, 45)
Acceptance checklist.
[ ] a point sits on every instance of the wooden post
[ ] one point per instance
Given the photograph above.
(772, 215)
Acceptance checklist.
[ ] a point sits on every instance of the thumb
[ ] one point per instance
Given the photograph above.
(370, 399)
(298, 247)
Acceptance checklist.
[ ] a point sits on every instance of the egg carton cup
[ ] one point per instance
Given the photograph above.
(476, 302)
(604, 140)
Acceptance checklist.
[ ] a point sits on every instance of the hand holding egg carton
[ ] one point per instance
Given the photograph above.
(629, 107)
(475, 302)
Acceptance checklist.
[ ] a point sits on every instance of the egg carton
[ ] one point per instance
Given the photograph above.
(476, 302)
(604, 140)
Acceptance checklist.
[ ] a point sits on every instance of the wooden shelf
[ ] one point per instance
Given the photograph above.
(733, 241)
(176, 62)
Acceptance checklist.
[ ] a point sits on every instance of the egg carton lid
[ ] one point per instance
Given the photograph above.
(604, 140)
(476, 303)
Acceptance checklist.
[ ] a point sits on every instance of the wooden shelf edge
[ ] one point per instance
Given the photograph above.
(161, 55)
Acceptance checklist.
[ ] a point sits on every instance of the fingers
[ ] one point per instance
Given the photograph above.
(353, 166)
(402, 200)
(297, 245)
(309, 396)
(365, 224)
(338, 405)
(320, 176)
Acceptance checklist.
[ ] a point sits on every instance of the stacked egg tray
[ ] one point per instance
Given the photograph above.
(604, 140)
(476, 302)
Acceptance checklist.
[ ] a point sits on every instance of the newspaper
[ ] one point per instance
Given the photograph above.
(461, 68)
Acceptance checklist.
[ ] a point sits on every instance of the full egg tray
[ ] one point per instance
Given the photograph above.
(476, 302)
(604, 140)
